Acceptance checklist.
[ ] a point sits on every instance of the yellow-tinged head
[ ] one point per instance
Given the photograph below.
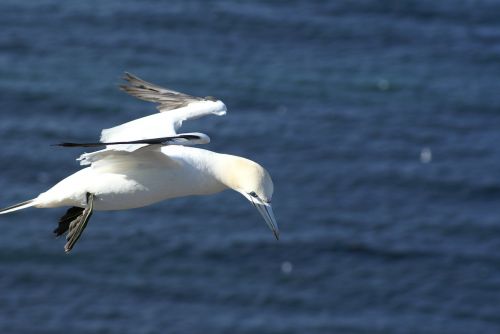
(254, 182)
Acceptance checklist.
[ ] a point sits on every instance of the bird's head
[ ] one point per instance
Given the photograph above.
(252, 181)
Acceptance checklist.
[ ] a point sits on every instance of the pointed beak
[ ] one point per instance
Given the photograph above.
(266, 211)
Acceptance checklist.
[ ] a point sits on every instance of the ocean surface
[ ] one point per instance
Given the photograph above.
(379, 122)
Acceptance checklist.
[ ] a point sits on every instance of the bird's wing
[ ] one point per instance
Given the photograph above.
(77, 226)
(167, 98)
(174, 108)
(107, 160)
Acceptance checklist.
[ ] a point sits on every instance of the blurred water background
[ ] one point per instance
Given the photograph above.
(378, 120)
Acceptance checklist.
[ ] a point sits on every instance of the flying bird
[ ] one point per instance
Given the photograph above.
(145, 161)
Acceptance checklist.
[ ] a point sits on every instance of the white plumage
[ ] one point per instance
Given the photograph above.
(146, 161)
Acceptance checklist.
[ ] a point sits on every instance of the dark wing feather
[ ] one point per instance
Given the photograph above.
(65, 220)
(167, 98)
(182, 139)
(77, 226)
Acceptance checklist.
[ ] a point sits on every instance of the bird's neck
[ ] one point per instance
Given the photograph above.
(230, 170)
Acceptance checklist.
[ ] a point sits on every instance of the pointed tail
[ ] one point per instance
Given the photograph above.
(18, 206)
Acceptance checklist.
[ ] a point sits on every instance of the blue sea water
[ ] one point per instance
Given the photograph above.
(378, 121)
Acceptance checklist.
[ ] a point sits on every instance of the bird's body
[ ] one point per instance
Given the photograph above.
(146, 161)
(146, 178)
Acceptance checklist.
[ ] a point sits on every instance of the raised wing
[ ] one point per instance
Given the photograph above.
(167, 98)
(174, 108)
(153, 130)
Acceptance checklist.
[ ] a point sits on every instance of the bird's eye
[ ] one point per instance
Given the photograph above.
(253, 194)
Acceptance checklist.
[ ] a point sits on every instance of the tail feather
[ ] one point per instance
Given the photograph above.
(18, 206)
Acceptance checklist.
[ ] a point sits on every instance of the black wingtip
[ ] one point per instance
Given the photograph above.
(66, 144)
(124, 88)
(78, 144)
(130, 77)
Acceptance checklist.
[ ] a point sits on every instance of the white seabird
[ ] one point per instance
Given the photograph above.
(146, 161)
